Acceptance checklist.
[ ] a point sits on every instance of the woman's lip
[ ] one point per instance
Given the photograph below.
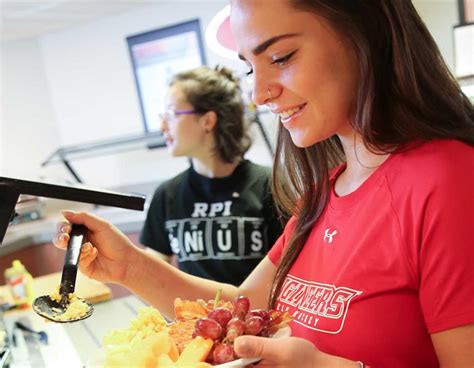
(290, 119)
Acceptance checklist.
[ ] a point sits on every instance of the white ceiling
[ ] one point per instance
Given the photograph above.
(31, 18)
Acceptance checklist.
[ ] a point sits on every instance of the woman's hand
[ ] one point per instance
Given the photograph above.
(106, 255)
(287, 352)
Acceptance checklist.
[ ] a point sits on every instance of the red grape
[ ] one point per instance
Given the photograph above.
(223, 353)
(253, 325)
(260, 313)
(241, 306)
(235, 328)
(210, 356)
(208, 329)
(221, 315)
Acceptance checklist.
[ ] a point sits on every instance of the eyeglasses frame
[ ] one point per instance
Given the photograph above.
(172, 114)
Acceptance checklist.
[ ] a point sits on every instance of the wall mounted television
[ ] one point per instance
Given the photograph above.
(157, 55)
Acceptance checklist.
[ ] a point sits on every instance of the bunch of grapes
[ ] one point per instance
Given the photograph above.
(223, 326)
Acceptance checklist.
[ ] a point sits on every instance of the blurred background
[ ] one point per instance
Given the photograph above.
(67, 79)
(81, 84)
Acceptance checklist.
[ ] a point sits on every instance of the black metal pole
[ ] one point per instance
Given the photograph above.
(72, 171)
(8, 199)
(10, 190)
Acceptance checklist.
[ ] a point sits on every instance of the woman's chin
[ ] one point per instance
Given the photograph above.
(301, 140)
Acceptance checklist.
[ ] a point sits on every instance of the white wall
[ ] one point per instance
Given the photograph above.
(76, 85)
(28, 126)
(440, 16)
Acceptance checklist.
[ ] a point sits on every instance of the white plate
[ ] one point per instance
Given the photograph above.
(97, 359)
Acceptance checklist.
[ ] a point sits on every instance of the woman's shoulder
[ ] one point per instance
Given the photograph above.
(434, 164)
(437, 157)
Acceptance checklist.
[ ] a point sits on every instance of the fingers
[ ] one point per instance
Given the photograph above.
(255, 346)
(63, 227)
(61, 240)
(92, 222)
(88, 253)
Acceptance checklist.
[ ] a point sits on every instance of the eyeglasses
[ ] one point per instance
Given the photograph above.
(171, 115)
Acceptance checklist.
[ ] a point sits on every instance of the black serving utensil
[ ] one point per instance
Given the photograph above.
(51, 309)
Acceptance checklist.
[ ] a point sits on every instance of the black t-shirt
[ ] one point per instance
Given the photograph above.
(219, 228)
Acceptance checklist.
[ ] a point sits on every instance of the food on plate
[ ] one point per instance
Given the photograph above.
(182, 332)
(148, 322)
(224, 324)
(202, 334)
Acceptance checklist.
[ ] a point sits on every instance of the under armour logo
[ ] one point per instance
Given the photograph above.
(329, 236)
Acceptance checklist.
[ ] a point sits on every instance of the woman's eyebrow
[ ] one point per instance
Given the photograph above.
(266, 44)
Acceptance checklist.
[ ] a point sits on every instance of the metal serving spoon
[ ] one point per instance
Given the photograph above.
(51, 309)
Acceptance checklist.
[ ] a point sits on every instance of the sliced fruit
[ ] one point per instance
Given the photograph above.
(196, 351)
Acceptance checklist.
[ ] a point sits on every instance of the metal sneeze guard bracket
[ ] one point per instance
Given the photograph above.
(10, 190)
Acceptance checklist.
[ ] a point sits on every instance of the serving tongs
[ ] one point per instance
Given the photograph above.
(51, 309)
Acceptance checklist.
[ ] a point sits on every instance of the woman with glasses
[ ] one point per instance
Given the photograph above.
(216, 219)
(375, 162)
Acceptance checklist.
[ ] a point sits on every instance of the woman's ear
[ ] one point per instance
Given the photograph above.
(209, 120)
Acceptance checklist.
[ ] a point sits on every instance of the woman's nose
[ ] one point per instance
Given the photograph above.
(259, 88)
(263, 91)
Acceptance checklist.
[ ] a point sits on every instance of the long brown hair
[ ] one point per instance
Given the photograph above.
(406, 94)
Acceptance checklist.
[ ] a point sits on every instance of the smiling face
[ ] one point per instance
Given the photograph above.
(303, 70)
(184, 134)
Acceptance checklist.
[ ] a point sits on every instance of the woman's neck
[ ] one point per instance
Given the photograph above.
(213, 167)
(361, 163)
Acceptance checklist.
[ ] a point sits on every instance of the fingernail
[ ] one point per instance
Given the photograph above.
(68, 212)
(63, 237)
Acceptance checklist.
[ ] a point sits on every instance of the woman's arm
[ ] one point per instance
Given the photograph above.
(171, 259)
(109, 256)
(257, 285)
(455, 347)
(159, 283)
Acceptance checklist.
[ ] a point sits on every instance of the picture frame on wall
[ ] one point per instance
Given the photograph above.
(156, 56)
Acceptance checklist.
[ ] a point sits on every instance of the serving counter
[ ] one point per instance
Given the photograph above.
(69, 344)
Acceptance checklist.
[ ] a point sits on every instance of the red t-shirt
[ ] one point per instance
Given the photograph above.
(390, 263)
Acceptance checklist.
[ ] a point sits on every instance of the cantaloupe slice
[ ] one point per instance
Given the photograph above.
(173, 352)
(196, 351)
(187, 309)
